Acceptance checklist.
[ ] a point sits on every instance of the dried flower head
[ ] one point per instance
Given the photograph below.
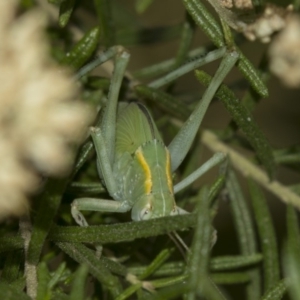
(237, 4)
(272, 19)
(240, 15)
(39, 118)
(284, 53)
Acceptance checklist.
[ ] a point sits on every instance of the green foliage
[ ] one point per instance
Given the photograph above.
(65, 11)
(83, 50)
(138, 260)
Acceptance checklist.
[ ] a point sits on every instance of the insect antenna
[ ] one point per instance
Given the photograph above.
(179, 243)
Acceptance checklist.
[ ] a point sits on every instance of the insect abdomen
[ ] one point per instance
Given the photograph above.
(150, 172)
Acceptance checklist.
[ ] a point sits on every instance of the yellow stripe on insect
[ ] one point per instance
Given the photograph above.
(168, 171)
(145, 166)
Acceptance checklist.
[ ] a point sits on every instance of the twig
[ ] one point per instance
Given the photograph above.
(30, 269)
(248, 169)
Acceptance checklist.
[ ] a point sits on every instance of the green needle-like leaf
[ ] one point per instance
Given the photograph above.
(43, 291)
(292, 254)
(231, 278)
(78, 286)
(168, 269)
(198, 264)
(293, 229)
(105, 19)
(12, 267)
(83, 255)
(9, 293)
(172, 292)
(245, 230)
(117, 233)
(234, 261)
(277, 292)
(156, 263)
(142, 5)
(65, 12)
(129, 291)
(267, 236)
(49, 203)
(83, 50)
(206, 21)
(11, 242)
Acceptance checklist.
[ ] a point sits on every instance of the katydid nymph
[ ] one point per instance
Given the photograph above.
(132, 160)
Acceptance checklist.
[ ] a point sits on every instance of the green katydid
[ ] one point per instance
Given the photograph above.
(133, 162)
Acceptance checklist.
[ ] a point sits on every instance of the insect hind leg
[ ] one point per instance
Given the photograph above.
(182, 142)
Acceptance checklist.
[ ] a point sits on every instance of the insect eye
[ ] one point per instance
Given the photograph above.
(142, 210)
(145, 214)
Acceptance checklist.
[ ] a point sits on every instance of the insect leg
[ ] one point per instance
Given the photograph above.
(216, 159)
(181, 144)
(99, 60)
(108, 124)
(103, 162)
(192, 65)
(93, 204)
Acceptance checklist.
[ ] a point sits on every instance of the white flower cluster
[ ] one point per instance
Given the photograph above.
(284, 53)
(240, 15)
(272, 20)
(237, 4)
(39, 119)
